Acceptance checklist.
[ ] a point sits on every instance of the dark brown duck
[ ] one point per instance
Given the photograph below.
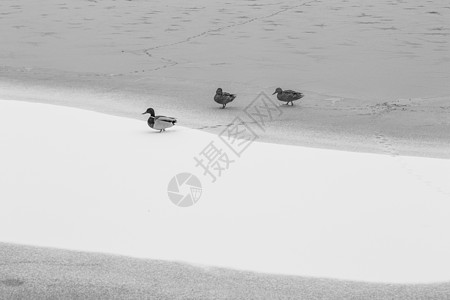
(223, 98)
(288, 96)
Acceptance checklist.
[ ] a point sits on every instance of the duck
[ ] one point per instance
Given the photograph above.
(160, 123)
(223, 97)
(287, 96)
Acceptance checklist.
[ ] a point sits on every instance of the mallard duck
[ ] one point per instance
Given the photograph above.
(287, 96)
(159, 122)
(223, 98)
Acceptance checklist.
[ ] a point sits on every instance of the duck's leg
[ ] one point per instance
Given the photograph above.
(160, 130)
(223, 106)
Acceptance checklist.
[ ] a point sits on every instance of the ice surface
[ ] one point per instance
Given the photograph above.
(366, 50)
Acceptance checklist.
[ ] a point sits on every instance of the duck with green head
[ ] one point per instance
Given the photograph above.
(160, 123)
(288, 96)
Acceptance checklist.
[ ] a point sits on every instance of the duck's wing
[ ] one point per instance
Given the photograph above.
(293, 94)
(166, 119)
(228, 95)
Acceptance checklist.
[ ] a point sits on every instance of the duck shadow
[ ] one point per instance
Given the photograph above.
(295, 106)
(228, 108)
(152, 132)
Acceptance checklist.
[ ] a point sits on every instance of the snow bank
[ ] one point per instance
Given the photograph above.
(82, 180)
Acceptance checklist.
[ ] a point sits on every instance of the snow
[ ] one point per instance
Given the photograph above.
(82, 180)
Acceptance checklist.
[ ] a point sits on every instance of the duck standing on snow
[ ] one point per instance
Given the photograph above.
(287, 96)
(159, 122)
(223, 98)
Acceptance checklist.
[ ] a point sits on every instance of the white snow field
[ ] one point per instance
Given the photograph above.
(82, 180)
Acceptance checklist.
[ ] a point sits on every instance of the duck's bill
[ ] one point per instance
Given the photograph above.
(274, 93)
(144, 113)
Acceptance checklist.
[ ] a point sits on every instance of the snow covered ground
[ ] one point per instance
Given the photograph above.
(82, 180)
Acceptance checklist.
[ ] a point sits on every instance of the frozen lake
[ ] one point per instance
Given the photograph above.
(367, 49)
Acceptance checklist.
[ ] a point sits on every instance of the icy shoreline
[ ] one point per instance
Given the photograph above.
(415, 127)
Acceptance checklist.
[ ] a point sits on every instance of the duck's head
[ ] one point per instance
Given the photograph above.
(277, 91)
(219, 91)
(150, 111)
